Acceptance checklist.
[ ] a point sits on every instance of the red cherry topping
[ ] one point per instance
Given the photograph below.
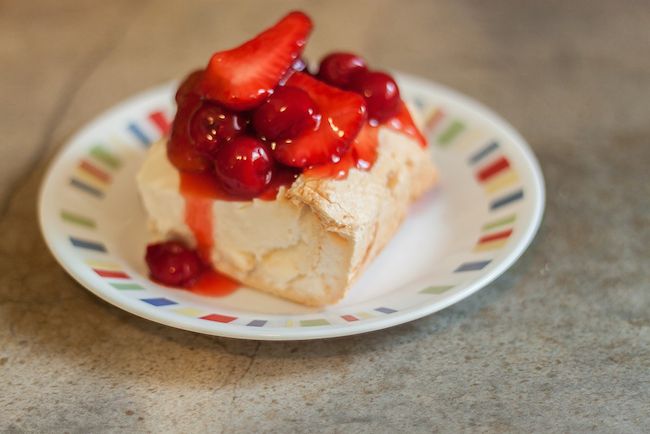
(189, 85)
(241, 78)
(172, 263)
(180, 148)
(338, 69)
(211, 125)
(286, 114)
(342, 115)
(244, 166)
(380, 92)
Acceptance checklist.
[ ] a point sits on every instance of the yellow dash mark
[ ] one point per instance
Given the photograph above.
(89, 179)
(108, 266)
(364, 315)
(490, 245)
(504, 180)
(188, 311)
(289, 323)
(469, 138)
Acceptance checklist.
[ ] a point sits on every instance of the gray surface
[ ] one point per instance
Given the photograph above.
(560, 343)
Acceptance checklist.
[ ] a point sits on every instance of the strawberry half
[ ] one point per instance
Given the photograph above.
(241, 78)
(342, 116)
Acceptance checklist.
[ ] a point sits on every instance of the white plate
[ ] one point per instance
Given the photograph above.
(456, 240)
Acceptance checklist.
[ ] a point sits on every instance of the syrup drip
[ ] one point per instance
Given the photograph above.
(363, 151)
(199, 192)
(214, 284)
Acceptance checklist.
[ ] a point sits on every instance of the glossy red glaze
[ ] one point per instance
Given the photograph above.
(362, 155)
(338, 69)
(172, 263)
(214, 284)
(244, 167)
(180, 149)
(212, 125)
(241, 78)
(189, 85)
(403, 122)
(286, 114)
(342, 116)
(380, 92)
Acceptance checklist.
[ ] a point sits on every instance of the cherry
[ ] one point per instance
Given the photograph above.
(380, 92)
(211, 125)
(188, 85)
(285, 114)
(172, 263)
(244, 166)
(180, 148)
(338, 69)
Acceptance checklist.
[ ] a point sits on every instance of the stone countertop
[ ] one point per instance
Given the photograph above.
(560, 343)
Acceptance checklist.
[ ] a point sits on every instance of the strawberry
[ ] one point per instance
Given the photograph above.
(243, 77)
(342, 116)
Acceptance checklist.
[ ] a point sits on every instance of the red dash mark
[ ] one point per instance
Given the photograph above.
(219, 318)
(95, 171)
(495, 236)
(109, 273)
(494, 168)
(160, 121)
(349, 318)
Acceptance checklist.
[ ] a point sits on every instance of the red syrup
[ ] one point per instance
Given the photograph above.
(214, 284)
(200, 191)
(363, 152)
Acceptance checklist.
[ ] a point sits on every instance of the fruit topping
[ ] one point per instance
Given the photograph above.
(258, 104)
(189, 86)
(241, 78)
(285, 114)
(403, 122)
(299, 65)
(244, 166)
(380, 92)
(172, 263)
(338, 69)
(180, 149)
(342, 116)
(212, 125)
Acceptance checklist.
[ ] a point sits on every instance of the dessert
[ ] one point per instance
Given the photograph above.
(288, 182)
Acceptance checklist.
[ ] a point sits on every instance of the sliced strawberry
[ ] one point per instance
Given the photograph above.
(241, 78)
(342, 116)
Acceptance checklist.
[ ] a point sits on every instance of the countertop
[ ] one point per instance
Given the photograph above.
(559, 343)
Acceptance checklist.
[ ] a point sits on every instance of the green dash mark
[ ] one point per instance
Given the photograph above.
(313, 322)
(126, 286)
(501, 222)
(105, 157)
(435, 289)
(77, 219)
(450, 133)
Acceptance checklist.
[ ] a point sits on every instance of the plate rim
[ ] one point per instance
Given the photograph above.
(332, 330)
